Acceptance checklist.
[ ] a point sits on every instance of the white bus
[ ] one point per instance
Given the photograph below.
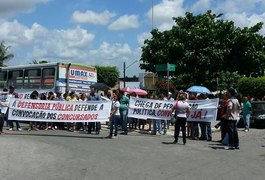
(47, 77)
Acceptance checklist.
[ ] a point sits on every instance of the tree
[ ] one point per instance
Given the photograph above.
(205, 48)
(108, 75)
(162, 85)
(4, 54)
(254, 87)
(39, 62)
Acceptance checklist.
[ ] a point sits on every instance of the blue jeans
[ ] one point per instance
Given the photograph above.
(246, 119)
(208, 131)
(158, 126)
(114, 122)
(124, 120)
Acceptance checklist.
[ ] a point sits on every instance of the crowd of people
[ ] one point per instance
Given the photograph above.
(52, 96)
(228, 114)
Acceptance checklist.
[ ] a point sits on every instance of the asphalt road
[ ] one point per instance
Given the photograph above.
(62, 155)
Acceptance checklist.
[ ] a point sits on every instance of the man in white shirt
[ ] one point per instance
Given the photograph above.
(232, 115)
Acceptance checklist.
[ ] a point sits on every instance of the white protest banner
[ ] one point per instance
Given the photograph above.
(203, 110)
(150, 109)
(59, 111)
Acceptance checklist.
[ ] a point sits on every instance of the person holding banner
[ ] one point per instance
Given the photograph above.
(80, 126)
(72, 97)
(193, 126)
(203, 125)
(3, 109)
(50, 97)
(94, 96)
(12, 94)
(182, 111)
(155, 121)
(33, 125)
(164, 123)
(206, 131)
(132, 121)
(114, 116)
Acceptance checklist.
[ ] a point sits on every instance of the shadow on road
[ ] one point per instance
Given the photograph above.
(168, 143)
(57, 135)
(216, 147)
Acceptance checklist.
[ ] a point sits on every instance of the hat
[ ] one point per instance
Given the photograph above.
(169, 93)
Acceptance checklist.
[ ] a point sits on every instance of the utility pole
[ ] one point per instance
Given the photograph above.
(167, 78)
(124, 74)
(124, 71)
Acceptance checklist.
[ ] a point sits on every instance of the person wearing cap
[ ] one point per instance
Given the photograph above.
(232, 115)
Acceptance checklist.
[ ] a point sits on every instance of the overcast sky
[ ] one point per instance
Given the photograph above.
(102, 32)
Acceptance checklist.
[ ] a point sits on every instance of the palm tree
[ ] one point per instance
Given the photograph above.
(4, 55)
(38, 62)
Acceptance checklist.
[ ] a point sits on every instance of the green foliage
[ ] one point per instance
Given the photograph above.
(162, 86)
(38, 62)
(225, 78)
(108, 75)
(4, 54)
(255, 87)
(205, 48)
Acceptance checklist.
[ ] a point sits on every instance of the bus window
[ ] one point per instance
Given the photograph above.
(32, 79)
(48, 76)
(15, 78)
(3, 76)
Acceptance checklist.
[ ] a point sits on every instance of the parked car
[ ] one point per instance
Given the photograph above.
(258, 114)
(257, 118)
